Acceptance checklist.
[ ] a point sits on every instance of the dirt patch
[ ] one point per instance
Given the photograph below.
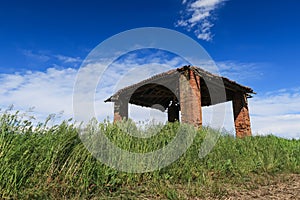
(282, 187)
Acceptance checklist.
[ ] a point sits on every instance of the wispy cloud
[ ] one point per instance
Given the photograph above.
(46, 57)
(68, 59)
(35, 55)
(232, 69)
(240, 71)
(198, 16)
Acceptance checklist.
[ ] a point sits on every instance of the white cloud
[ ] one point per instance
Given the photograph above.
(197, 17)
(43, 57)
(68, 59)
(51, 91)
(234, 70)
(275, 113)
(240, 71)
(40, 56)
(48, 92)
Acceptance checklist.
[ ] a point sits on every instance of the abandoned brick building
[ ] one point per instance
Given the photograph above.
(186, 89)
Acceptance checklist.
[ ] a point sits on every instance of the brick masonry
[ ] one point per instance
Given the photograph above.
(120, 110)
(241, 115)
(190, 98)
(191, 108)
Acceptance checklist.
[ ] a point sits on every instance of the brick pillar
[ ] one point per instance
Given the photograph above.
(241, 115)
(173, 113)
(120, 110)
(190, 98)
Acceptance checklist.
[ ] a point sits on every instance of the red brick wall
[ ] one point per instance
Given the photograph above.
(241, 115)
(190, 99)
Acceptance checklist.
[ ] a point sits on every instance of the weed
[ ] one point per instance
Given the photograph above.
(38, 161)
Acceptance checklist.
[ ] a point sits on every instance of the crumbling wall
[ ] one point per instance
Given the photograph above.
(241, 115)
(190, 98)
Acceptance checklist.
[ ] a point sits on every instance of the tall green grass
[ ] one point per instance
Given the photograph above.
(41, 162)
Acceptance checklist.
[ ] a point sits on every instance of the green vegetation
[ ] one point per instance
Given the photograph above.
(41, 162)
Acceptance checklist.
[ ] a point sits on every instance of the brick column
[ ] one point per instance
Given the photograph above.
(190, 98)
(241, 115)
(120, 110)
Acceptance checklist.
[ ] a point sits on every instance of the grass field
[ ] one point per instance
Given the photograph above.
(41, 162)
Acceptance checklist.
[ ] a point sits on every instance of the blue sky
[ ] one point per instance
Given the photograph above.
(255, 42)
